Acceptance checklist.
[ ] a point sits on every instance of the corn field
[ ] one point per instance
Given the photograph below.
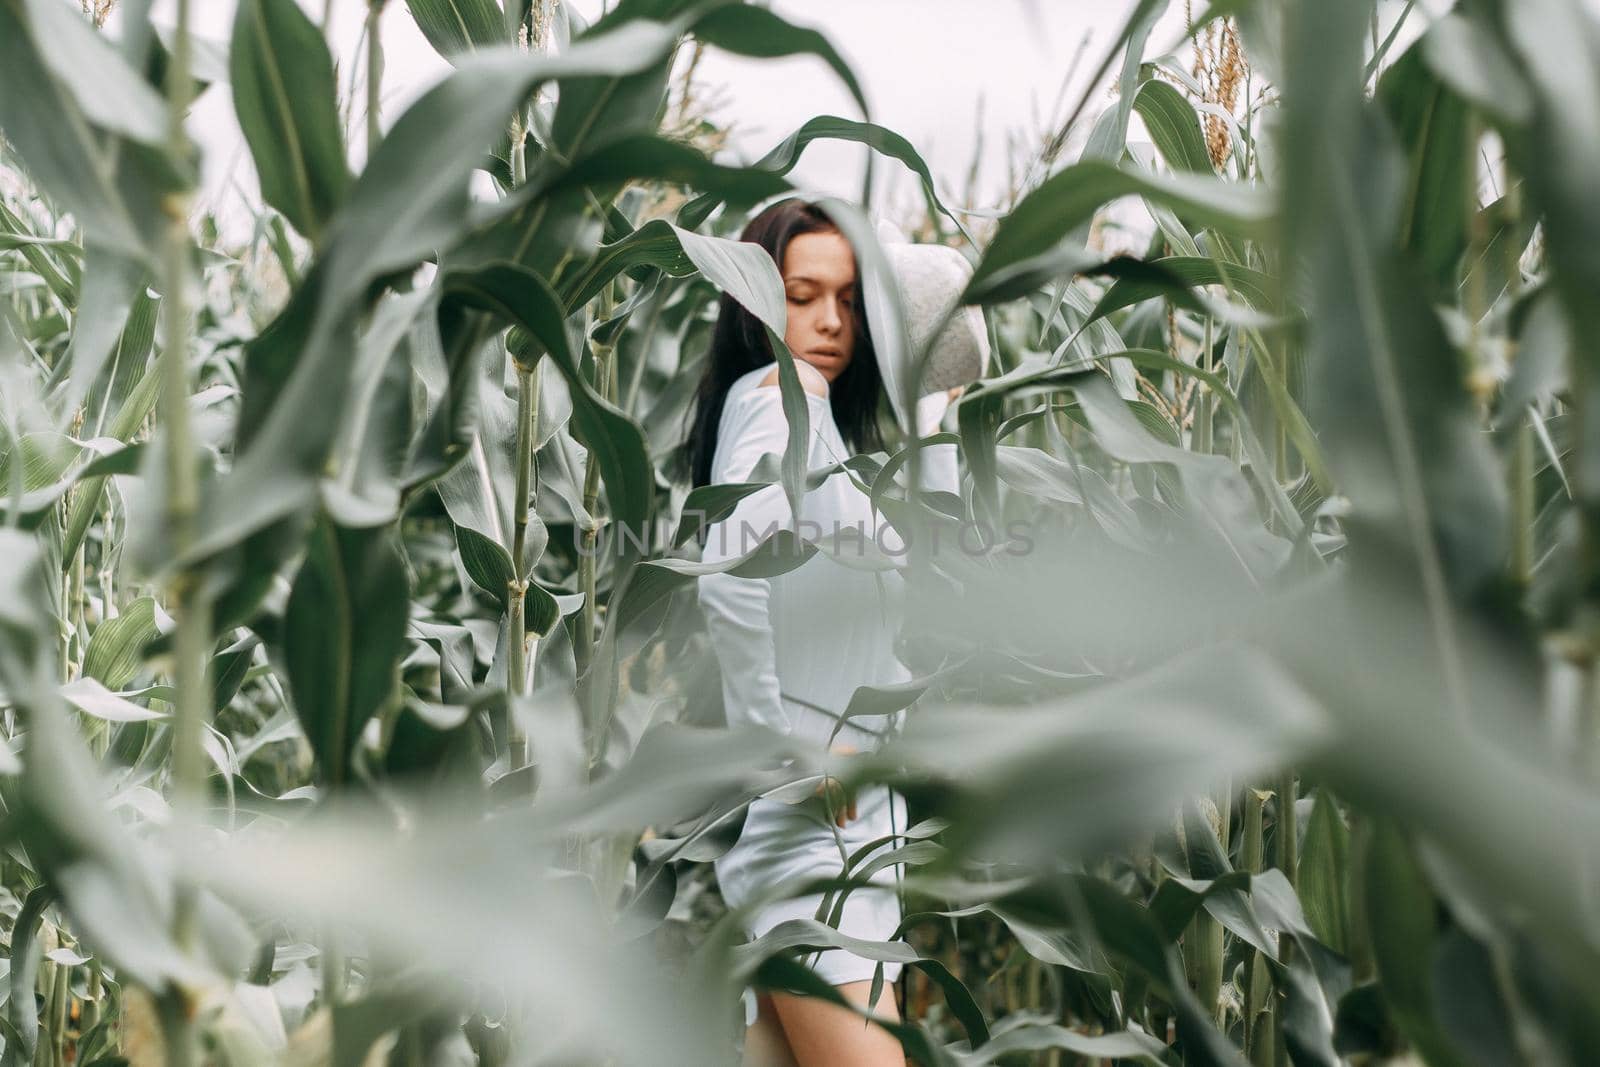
(356, 704)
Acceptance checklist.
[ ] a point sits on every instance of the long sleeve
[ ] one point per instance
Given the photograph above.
(740, 612)
(753, 425)
(939, 469)
(737, 610)
(739, 621)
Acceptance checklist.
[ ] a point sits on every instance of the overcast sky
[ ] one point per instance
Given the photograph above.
(960, 79)
(926, 66)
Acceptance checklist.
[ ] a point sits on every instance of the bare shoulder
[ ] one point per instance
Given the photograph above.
(811, 378)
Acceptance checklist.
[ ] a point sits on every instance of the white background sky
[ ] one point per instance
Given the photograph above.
(924, 65)
(957, 78)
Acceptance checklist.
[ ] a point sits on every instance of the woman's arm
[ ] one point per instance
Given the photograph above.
(737, 611)
(939, 469)
(740, 625)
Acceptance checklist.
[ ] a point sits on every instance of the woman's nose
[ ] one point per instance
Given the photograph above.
(831, 320)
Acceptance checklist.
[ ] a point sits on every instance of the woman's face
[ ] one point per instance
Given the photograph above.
(819, 281)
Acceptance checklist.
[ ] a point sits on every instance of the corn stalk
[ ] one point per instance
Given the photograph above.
(188, 600)
(1258, 1010)
(518, 650)
(374, 71)
(604, 356)
(1287, 861)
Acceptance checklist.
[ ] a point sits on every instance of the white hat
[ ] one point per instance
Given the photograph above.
(931, 278)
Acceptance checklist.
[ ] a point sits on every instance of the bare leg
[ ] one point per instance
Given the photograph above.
(825, 1035)
(764, 1043)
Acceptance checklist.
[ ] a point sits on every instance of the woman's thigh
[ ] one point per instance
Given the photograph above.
(821, 1034)
(764, 1043)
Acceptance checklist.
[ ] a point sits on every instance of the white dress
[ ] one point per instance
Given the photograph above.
(810, 636)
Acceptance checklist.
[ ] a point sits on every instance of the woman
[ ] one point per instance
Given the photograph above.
(793, 648)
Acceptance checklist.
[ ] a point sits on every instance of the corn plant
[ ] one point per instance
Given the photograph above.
(355, 699)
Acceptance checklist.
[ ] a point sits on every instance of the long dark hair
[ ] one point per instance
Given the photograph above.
(739, 345)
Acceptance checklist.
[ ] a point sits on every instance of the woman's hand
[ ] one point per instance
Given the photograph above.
(931, 410)
(840, 800)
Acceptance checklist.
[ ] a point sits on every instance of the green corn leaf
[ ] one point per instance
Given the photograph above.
(286, 98)
(655, 244)
(411, 200)
(111, 285)
(36, 470)
(545, 234)
(743, 271)
(90, 697)
(133, 354)
(10, 242)
(54, 261)
(1175, 276)
(1436, 133)
(523, 299)
(1026, 245)
(783, 157)
(87, 66)
(477, 493)
(457, 26)
(370, 456)
(488, 563)
(1402, 922)
(116, 647)
(60, 85)
(1324, 874)
(1108, 139)
(344, 635)
(810, 934)
(1215, 489)
(1037, 1038)
(1556, 49)
(24, 955)
(644, 156)
(759, 32)
(1174, 126)
(1397, 422)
